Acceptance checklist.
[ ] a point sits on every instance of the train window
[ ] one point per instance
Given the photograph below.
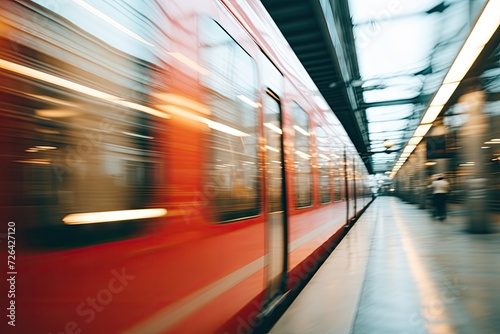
(302, 175)
(231, 87)
(82, 138)
(273, 133)
(337, 174)
(324, 164)
(343, 177)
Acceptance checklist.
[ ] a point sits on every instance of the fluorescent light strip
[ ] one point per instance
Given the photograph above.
(462, 64)
(49, 78)
(444, 93)
(182, 101)
(188, 62)
(299, 129)
(481, 33)
(325, 157)
(302, 155)
(137, 135)
(142, 108)
(112, 216)
(44, 147)
(109, 20)
(415, 140)
(34, 161)
(431, 114)
(422, 130)
(248, 101)
(224, 128)
(270, 148)
(409, 148)
(54, 100)
(273, 127)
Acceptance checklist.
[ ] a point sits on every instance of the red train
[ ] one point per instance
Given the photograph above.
(166, 167)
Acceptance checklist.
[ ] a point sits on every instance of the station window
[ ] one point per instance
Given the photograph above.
(231, 86)
(324, 164)
(302, 175)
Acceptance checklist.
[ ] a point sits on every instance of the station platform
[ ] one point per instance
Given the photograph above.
(400, 271)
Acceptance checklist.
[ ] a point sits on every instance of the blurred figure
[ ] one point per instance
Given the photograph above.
(439, 192)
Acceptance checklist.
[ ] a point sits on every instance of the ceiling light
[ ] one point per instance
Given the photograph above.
(415, 140)
(484, 28)
(422, 130)
(404, 155)
(486, 25)
(462, 64)
(444, 93)
(431, 114)
(409, 148)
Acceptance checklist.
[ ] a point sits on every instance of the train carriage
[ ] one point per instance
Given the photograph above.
(169, 165)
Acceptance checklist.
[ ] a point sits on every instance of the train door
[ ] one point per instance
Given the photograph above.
(276, 229)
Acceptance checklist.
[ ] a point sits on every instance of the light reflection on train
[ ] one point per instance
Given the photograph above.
(166, 169)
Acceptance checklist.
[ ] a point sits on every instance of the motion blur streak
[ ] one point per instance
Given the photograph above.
(171, 315)
(218, 212)
(32, 73)
(112, 216)
(110, 21)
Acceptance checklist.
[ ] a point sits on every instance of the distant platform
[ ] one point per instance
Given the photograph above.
(400, 271)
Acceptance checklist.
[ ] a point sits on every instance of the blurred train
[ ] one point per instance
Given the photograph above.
(166, 166)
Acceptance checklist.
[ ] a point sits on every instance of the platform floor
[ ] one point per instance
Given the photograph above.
(399, 271)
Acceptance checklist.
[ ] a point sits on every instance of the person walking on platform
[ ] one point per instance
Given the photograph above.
(440, 191)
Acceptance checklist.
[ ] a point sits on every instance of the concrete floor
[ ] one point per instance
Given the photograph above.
(400, 271)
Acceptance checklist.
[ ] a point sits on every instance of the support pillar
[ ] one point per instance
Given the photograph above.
(472, 138)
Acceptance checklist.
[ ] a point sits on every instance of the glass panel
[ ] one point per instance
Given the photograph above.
(273, 134)
(231, 96)
(303, 175)
(337, 177)
(79, 141)
(324, 164)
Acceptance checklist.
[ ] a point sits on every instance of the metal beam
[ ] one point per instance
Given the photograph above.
(413, 100)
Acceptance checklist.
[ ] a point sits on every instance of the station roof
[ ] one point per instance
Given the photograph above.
(377, 63)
